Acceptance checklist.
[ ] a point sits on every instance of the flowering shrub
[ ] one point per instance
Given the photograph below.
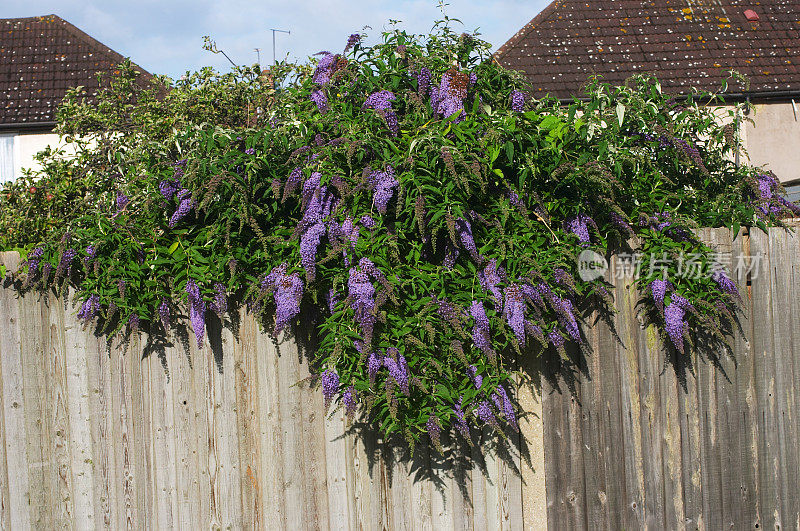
(423, 202)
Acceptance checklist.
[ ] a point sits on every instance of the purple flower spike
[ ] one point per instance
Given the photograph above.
(163, 313)
(288, 293)
(514, 311)
(184, 207)
(90, 308)
(477, 379)
(489, 279)
(349, 398)
(464, 230)
(330, 385)
(434, 431)
(122, 201)
(320, 100)
(658, 288)
(374, 364)
(517, 100)
(481, 334)
(423, 81)
(673, 317)
(503, 403)
(309, 243)
(461, 421)
(485, 413)
(579, 226)
(352, 40)
(726, 285)
(197, 311)
(383, 184)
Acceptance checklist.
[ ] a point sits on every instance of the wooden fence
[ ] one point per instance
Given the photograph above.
(226, 438)
(637, 445)
(92, 439)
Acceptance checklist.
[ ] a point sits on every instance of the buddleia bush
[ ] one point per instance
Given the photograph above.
(431, 212)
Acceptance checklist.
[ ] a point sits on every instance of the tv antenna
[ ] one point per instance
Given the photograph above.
(274, 61)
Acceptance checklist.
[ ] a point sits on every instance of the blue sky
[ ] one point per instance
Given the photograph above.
(166, 36)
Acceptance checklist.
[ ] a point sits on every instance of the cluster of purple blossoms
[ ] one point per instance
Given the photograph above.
(514, 311)
(461, 420)
(485, 413)
(220, 303)
(197, 311)
(374, 364)
(185, 206)
(169, 188)
(122, 201)
(579, 226)
(423, 81)
(477, 379)
(367, 222)
(489, 278)
(658, 289)
(556, 339)
(674, 323)
(362, 300)
(292, 182)
(381, 101)
(34, 258)
(464, 230)
(327, 66)
(250, 151)
(320, 99)
(163, 314)
(352, 40)
(726, 285)
(565, 310)
(504, 405)
(330, 385)
(91, 253)
(448, 98)
(398, 370)
(770, 202)
(288, 292)
(481, 334)
(333, 300)
(517, 100)
(349, 399)
(309, 242)
(383, 184)
(134, 322)
(434, 431)
(619, 222)
(90, 308)
(65, 264)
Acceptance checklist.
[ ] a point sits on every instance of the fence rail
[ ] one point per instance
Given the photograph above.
(225, 437)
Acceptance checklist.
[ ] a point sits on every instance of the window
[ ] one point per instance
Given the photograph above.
(793, 192)
(6, 157)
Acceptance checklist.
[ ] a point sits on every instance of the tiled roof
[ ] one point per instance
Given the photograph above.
(686, 43)
(40, 59)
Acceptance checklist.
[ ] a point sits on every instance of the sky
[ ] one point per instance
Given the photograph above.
(166, 36)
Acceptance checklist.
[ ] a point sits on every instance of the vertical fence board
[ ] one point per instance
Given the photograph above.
(763, 347)
(15, 514)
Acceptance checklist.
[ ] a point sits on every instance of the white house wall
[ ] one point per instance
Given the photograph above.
(26, 146)
(774, 139)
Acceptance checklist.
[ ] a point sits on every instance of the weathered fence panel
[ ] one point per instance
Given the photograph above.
(634, 443)
(228, 437)
(233, 437)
